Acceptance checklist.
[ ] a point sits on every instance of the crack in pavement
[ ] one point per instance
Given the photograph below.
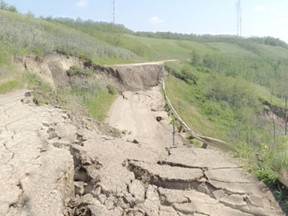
(172, 164)
(138, 183)
(19, 201)
(237, 182)
(17, 120)
(13, 153)
(147, 178)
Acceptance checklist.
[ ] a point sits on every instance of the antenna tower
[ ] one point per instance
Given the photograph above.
(239, 17)
(113, 11)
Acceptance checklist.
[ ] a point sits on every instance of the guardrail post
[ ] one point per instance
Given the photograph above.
(174, 134)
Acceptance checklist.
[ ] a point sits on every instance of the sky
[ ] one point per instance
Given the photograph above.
(259, 17)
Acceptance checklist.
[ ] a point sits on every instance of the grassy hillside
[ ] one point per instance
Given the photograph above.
(218, 86)
(24, 35)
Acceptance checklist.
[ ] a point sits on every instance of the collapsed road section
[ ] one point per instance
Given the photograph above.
(52, 164)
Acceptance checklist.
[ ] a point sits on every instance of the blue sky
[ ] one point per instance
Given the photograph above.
(259, 17)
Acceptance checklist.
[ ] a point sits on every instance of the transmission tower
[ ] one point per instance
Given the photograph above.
(113, 11)
(239, 17)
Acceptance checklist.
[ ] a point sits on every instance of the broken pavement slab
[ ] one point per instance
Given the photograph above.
(33, 181)
(209, 174)
(198, 157)
(44, 154)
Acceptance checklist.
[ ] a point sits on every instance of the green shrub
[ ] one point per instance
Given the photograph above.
(267, 175)
(186, 74)
(111, 89)
(244, 151)
(73, 71)
(5, 6)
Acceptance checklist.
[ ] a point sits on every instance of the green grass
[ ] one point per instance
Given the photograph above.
(96, 100)
(10, 85)
(183, 98)
(228, 108)
(88, 95)
(266, 161)
(99, 104)
(187, 99)
(34, 81)
(27, 35)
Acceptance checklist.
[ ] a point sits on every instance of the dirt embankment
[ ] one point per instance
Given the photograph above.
(140, 77)
(54, 69)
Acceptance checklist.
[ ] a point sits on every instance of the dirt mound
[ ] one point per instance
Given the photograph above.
(130, 77)
(53, 69)
(140, 77)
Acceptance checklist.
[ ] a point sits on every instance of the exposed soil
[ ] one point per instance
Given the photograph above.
(129, 77)
(52, 164)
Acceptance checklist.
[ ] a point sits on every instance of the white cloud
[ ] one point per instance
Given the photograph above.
(282, 21)
(261, 9)
(82, 3)
(156, 20)
(277, 8)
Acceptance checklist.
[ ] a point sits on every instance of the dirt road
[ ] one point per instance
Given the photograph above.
(135, 114)
(143, 63)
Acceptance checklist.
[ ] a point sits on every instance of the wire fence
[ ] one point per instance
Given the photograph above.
(204, 139)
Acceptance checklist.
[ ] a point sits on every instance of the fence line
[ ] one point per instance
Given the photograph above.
(205, 139)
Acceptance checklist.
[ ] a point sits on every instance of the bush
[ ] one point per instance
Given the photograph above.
(186, 74)
(4, 6)
(111, 89)
(267, 175)
(73, 71)
(196, 59)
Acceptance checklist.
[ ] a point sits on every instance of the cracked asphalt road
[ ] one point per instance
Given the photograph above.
(28, 172)
(52, 165)
(189, 181)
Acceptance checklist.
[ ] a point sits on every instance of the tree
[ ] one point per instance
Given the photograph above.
(283, 90)
(196, 59)
(5, 6)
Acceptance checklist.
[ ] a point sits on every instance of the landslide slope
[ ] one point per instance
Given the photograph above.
(52, 164)
(138, 174)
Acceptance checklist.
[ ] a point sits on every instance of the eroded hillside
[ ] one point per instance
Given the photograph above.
(54, 164)
(62, 154)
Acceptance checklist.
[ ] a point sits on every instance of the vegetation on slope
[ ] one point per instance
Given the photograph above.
(26, 35)
(227, 106)
(219, 91)
(116, 35)
(92, 94)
